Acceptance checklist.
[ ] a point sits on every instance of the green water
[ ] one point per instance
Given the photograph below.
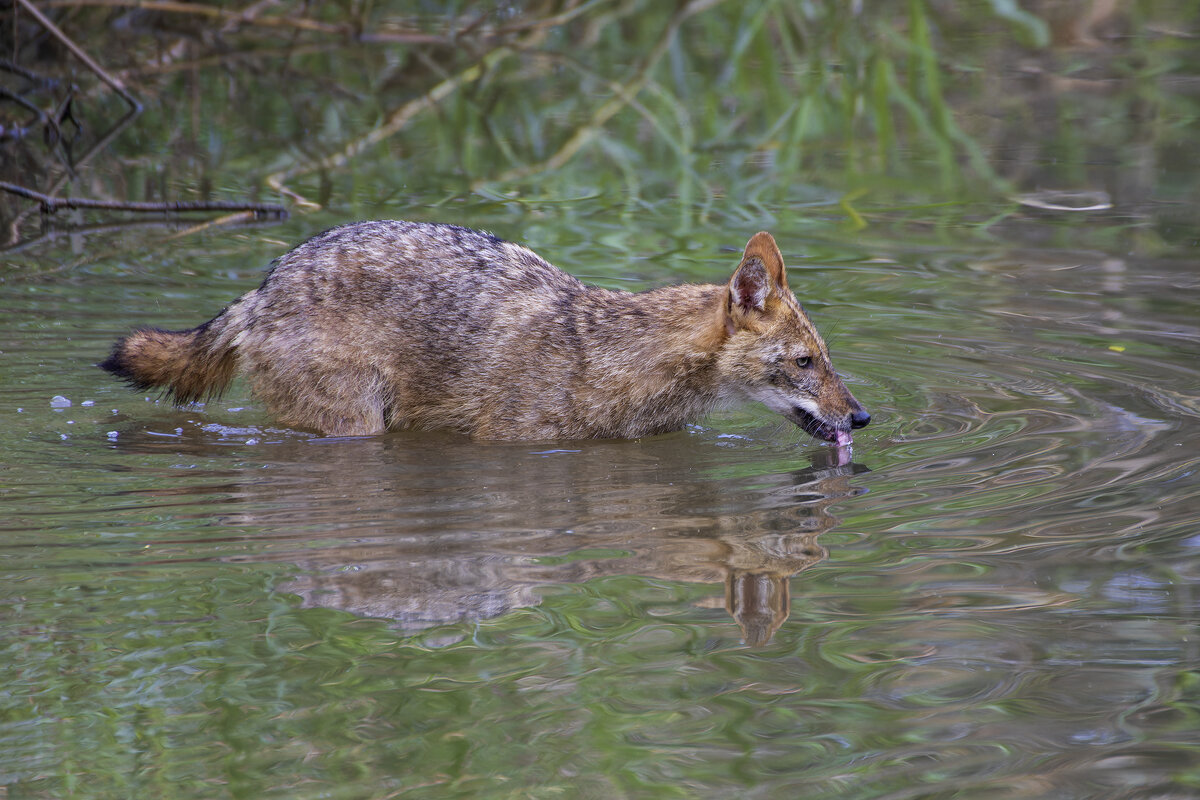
(995, 597)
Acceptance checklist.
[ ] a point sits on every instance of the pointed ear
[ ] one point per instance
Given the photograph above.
(762, 246)
(760, 275)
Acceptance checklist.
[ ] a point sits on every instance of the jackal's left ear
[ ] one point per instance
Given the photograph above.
(762, 246)
(760, 274)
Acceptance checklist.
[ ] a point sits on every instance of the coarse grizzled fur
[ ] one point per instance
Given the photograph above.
(379, 325)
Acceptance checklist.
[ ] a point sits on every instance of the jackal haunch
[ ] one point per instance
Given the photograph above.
(387, 324)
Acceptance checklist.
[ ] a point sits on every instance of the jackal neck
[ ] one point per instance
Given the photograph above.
(650, 360)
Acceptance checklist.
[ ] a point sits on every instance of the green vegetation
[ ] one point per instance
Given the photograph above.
(1006, 601)
(707, 110)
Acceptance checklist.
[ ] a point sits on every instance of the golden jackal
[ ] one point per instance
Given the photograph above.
(387, 324)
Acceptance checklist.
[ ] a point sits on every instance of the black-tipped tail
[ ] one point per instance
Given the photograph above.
(186, 365)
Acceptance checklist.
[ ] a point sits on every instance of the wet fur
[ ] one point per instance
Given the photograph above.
(388, 324)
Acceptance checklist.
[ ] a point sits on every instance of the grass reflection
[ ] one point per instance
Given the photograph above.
(732, 111)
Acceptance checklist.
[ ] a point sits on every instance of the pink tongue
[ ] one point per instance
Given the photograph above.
(844, 438)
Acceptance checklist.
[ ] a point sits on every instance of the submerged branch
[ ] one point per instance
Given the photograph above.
(241, 220)
(51, 205)
(14, 227)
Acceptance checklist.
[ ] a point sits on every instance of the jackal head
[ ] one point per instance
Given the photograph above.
(774, 354)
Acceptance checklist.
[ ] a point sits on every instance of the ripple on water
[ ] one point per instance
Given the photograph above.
(998, 593)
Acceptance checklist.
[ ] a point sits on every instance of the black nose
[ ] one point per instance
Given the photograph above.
(860, 418)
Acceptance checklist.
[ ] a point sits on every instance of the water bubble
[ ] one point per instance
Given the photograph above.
(88, 403)
(112, 436)
(58, 401)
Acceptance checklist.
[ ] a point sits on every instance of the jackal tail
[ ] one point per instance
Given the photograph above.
(186, 365)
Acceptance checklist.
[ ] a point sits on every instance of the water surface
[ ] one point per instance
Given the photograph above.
(994, 595)
(997, 591)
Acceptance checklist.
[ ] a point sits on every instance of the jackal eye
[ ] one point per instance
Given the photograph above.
(804, 362)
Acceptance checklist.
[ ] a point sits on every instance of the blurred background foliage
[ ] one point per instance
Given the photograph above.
(925, 111)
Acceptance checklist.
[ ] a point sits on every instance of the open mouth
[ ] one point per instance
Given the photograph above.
(818, 429)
